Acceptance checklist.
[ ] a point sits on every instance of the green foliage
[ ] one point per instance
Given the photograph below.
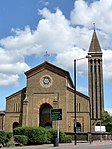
(107, 121)
(106, 118)
(21, 139)
(36, 135)
(2, 137)
(40, 135)
(51, 133)
(8, 136)
(5, 137)
(109, 127)
(11, 144)
(65, 138)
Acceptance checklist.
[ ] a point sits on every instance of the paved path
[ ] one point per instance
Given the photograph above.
(87, 145)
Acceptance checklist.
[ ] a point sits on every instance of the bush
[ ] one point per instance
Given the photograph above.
(21, 139)
(8, 136)
(36, 135)
(5, 137)
(51, 133)
(11, 144)
(2, 137)
(109, 127)
(65, 138)
(40, 135)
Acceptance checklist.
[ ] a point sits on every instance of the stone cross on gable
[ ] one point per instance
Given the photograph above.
(46, 56)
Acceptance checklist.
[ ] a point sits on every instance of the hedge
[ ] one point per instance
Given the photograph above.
(40, 135)
(5, 137)
(65, 138)
(22, 139)
(36, 135)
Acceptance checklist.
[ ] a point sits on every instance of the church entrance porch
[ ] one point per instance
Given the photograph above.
(44, 116)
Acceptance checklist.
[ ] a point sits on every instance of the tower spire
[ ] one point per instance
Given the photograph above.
(94, 45)
(95, 80)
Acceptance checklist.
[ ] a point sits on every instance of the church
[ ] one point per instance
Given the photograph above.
(50, 87)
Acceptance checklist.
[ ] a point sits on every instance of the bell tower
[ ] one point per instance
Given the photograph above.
(95, 80)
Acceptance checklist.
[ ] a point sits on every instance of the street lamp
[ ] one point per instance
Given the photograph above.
(75, 119)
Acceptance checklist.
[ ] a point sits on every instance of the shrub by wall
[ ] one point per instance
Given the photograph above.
(11, 144)
(2, 137)
(40, 135)
(36, 135)
(22, 139)
(51, 133)
(8, 136)
(5, 137)
(63, 138)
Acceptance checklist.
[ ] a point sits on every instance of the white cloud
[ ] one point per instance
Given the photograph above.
(6, 79)
(43, 2)
(107, 65)
(66, 59)
(98, 12)
(84, 15)
(55, 34)
(11, 66)
(82, 89)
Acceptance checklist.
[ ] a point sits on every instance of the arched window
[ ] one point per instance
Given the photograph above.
(78, 127)
(98, 61)
(95, 61)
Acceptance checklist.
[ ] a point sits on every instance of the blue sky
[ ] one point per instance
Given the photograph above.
(62, 27)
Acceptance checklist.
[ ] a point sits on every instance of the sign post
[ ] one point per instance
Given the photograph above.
(56, 115)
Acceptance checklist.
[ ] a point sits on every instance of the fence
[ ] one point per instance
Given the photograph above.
(91, 136)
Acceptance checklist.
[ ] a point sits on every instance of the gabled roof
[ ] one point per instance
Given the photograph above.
(16, 93)
(79, 93)
(51, 68)
(94, 45)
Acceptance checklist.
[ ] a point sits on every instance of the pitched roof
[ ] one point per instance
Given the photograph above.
(79, 93)
(51, 68)
(23, 90)
(94, 45)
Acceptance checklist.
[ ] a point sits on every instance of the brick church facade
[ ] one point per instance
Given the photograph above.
(48, 86)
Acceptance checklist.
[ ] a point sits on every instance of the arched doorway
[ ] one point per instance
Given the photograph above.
(15, 125)
(44, 116)
(78, 127)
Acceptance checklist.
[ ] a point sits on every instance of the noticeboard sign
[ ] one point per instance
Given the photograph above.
(55, 114)
(100, 129)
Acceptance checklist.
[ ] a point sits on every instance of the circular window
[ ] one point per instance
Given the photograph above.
(46, 81)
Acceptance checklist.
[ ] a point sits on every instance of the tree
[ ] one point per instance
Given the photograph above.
(106, 120)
